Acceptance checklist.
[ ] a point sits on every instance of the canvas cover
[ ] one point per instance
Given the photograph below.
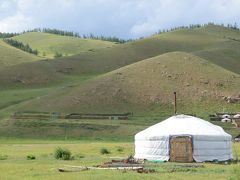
(210, 142)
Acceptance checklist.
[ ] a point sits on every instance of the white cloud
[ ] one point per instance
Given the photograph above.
(159, 16)
(16, 23)
(4, 5)
(123, 18)
(170, 13)
(25, 5)
(14, 19)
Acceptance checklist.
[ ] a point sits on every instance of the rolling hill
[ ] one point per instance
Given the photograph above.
(49, 44)
(144, 85)
(225, 54)
(216, 44)
(12, 56)
(201, 65)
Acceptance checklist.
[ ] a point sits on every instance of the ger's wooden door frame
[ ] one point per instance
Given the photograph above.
(188, 143)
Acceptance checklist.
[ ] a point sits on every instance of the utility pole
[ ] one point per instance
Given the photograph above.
(175, 103)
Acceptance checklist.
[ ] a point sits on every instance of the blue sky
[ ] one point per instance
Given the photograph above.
(121, 18)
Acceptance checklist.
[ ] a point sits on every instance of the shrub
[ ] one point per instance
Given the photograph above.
(120, 149)
(31, 157)
(105, 151)
(3, 157)
(57, 55)
(62, 153)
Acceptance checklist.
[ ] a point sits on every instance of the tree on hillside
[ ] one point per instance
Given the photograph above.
(8, 35)
(21, 46)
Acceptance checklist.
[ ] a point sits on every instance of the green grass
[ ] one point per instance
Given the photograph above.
(12, 97)
(49, 44)
(148, 83)
(210, 42)
(187, 40)
(86, 83)
(144, 88)
(16, 166)
(101, 130)
(70, 129)
(16, 94)
(225, 55)
(12, 56)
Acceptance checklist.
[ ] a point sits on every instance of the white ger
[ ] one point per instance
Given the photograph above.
(183, 138)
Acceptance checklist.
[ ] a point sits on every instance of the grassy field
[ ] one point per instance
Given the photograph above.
(214, 43)
(15, 94)
(150, 82)
(49, 44)
(12, 56)
(85, 129)
(144, 88)
(201, 65)
(14, 164)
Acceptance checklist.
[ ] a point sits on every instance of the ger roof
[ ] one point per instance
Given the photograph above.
(182, 125)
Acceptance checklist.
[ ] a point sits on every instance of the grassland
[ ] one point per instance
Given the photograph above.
(12, 56)
(213, 43)
(49, 44)
(16, 166)
(150, 82)
(201, 65)
(16, 94)
(137, 76)
(144, 88)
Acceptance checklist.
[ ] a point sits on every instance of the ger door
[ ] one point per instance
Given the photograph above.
(181, 149)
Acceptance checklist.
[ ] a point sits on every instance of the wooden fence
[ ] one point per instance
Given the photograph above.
(55, 115)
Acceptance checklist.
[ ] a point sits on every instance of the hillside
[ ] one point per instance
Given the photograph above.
(225, 54)
(12, 56)
(201, 41)
(49, 44)
(211, 43)
(145, 85)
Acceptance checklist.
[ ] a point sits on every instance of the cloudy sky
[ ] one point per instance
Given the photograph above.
(121, 18)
